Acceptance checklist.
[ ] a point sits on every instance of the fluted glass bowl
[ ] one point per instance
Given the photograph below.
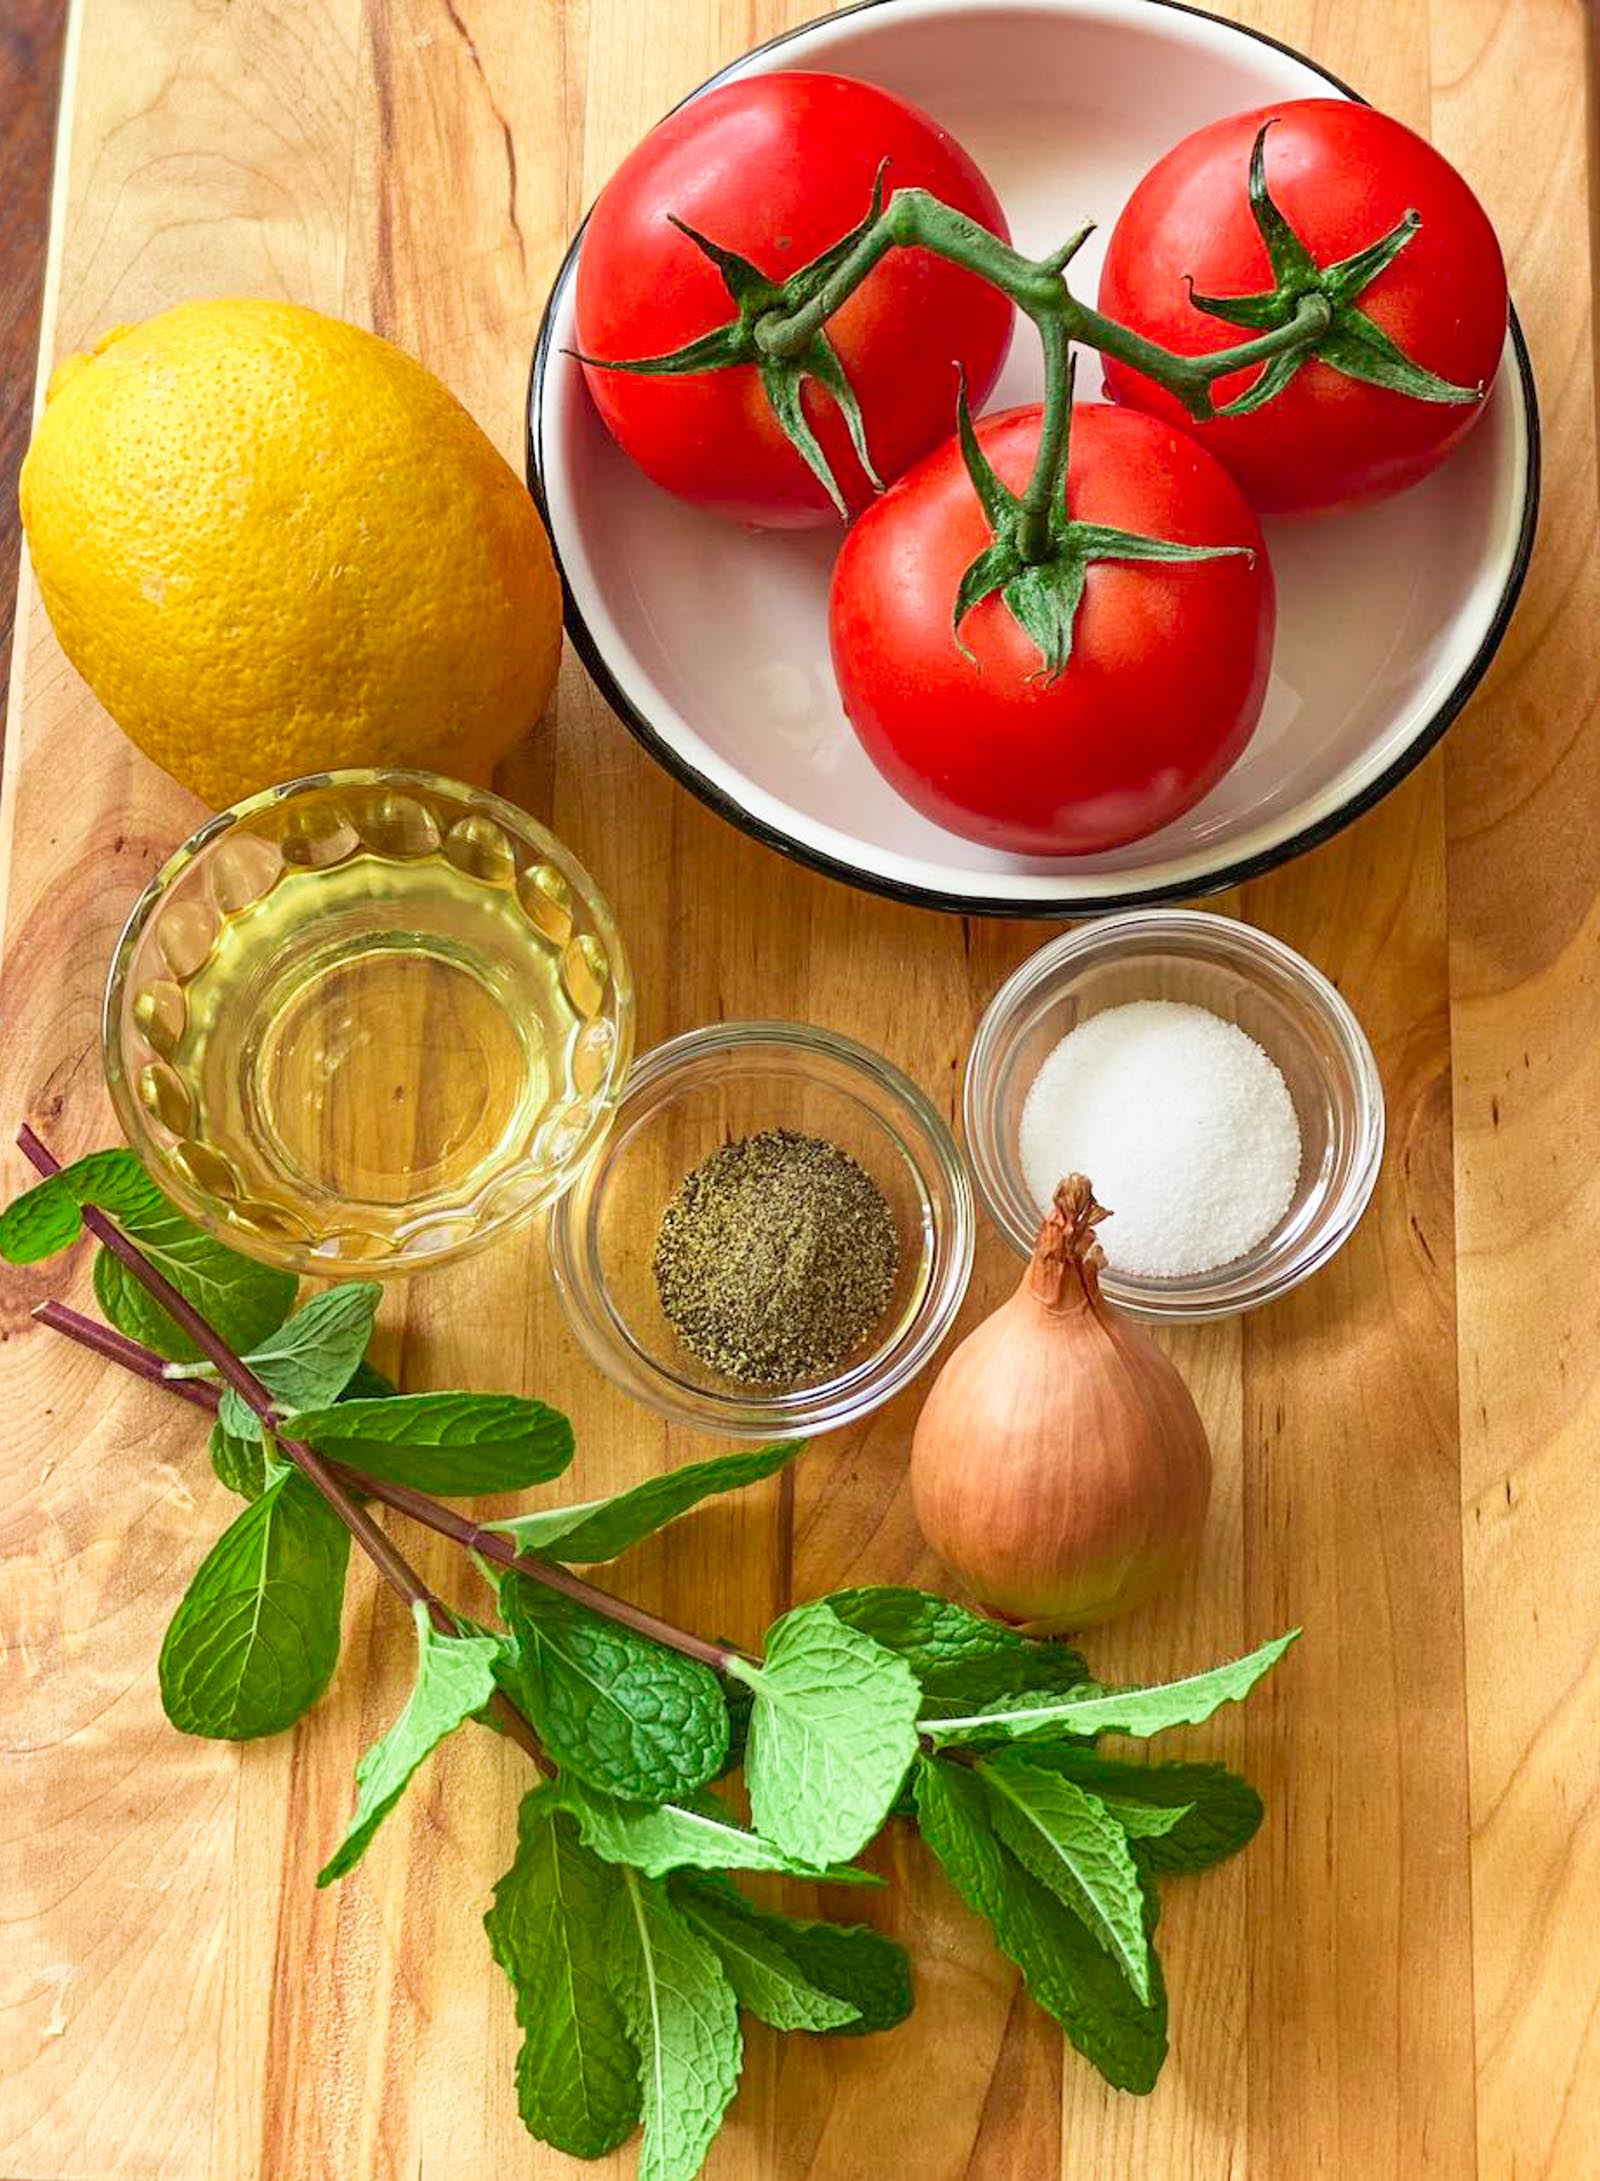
(713, 1086)
(1248, 978)
(371, 1019)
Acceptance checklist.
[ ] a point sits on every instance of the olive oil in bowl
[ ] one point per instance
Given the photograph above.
(372, 1019)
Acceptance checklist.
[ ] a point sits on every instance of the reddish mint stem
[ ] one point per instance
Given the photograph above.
(385, 1556)
(491, 1544)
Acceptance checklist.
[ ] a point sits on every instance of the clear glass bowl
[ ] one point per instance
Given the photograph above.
(1248, 978)
(371, 1019)
(712, 1087)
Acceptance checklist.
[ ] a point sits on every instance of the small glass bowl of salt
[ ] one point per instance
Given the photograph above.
(1217, 1091)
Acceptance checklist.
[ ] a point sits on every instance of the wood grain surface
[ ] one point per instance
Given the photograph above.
(1401, 1980)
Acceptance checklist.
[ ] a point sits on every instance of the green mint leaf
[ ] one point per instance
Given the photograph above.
(48, 1218)
(1093, 1710)
(1180, 1817)
(241, 1458)
(577, 2076)
(697, 1832)
(768, 1980)
(601, 1529)
(367, 1384)
(1067, 1973)
(453, 1444)
(961, 1660)
(455, 1679)
(855, 1965)
(1071, 1843)
(832, 1732)
(626, 1715)
(240, 1455)
(240, 1300)
(741, 1703)
(311, 1357)
(683, 2021)
(255, 1640)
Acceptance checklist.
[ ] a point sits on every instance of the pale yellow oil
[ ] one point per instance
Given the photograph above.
(379, 1054)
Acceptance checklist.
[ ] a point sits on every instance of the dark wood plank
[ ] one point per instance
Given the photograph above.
(31, 35)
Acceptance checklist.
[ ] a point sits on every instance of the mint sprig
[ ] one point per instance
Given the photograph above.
(628, 1948)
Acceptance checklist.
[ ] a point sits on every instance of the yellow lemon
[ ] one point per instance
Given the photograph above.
(273, 544)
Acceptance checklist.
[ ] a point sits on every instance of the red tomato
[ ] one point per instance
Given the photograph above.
(1342, 175)
(779, 168)
(1169, 659)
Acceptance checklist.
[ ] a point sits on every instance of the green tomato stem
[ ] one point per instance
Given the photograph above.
(915, 220)
(1045, 488)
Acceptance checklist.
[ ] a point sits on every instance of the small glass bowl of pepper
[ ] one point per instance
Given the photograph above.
(779, 1157)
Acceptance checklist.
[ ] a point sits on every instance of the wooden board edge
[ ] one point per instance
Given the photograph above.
(49, 312)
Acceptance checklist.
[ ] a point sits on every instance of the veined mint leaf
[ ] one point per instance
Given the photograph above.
(697, 1832)
(309, 1360)
(768, 1981)
(256, 1638)
(1093, 1710)
(623, 1713)
(49, 1217)
(452, 1444)
(831, 1734)
(683, 2022)
(1072, 1844)
(455, 1678)
(241, 1459)
(1180, 1817)
(577, 2075)
(857, 1966)
(600, 1529)
(239, 1299)
(962, 1661)
(1067, 1973)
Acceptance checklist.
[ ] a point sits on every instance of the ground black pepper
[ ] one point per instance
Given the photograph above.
(775, 1258)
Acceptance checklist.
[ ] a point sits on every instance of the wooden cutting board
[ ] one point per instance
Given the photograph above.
(1401, 1979)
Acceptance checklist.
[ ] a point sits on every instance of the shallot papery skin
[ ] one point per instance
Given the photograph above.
(1059, 1466)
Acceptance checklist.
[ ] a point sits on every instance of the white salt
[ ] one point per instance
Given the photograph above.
(1182, 1124)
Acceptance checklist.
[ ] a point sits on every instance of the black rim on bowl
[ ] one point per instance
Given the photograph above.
(1070, 906)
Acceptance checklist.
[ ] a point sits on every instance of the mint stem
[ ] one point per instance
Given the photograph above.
(491, 1544)
(385, 1556)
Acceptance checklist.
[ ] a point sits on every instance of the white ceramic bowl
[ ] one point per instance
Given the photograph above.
(711, 642)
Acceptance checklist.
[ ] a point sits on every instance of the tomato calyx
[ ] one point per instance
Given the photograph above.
(783, 378)
(1347, 338)
(1043, 589)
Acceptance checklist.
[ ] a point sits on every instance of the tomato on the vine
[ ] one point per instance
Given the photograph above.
(771, 172)
(1227, 233)
(1168, 659)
